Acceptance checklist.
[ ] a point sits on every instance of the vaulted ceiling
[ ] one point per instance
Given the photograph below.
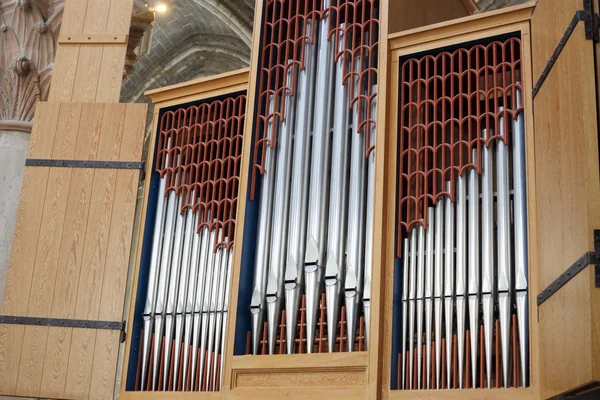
(196, 38)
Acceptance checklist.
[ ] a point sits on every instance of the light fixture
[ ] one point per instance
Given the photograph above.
(156, 6)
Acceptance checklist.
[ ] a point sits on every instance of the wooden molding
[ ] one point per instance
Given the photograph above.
(197, 89)
(466, 25)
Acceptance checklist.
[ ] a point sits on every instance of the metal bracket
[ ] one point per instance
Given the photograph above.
(38, 162)
(592, 25)
(66, 323)
(589, 258)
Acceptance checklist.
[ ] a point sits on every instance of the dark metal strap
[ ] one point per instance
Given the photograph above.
(66, 323)
(38, 162)
(589, 258)
(591, 33)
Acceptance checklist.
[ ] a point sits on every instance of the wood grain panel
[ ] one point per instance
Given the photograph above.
(566, 159)
(95, 251)
(65, 290)
(92, 72)
(47, 254)
(21, 264)
(300, 379)
(81, 229)
(408, 14)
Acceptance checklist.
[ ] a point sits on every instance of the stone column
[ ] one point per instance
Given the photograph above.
(13, 151)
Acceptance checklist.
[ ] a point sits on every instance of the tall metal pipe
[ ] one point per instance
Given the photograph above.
(225, 314)
(353, 284)
(280, 216)
(335, 267)
(201, 288)
(157, 241)
(448, 279)
(219, 316)
(461, 272)
(412, 293)
(428, 294)
(314, 260)
(369, 220)
(184, 280)
(487, 252)
(212, 261)
(165, 267)
(263, 239)
(438, 288)
(420, 287)
(504, 270)
(520, 226)
(296, 246)
(473, 267)
(191, 297)
(405, 262)
(173, 286)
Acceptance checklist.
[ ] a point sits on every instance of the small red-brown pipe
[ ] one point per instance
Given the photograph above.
(497, 353)
(151, 362)
(515, 354)
(171, 367)
(248, 341)
(432, 384)
(455, 363)
(162, 364)
(443, 362)
(468, 361)
(482, 359)
(139, 365)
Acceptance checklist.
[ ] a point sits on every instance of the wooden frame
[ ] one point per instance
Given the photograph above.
(508, 20)
(162, 98)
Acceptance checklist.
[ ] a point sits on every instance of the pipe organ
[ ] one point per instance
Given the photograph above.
(313, 151)
(186, 307)
(462, 220)
(365, 212)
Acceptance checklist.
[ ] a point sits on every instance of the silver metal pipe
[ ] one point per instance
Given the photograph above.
(487, 253)
(183, 291)
(473, 265)
(212, 262)
(448, 279)
(225, 314)
(280, 217)
(461, 272)
(296, 246)
(335, 267)
(191, 298)
(165, 267)
(520, 226)
(438, 289)
(428, 295)
(157, 241)
(369, 221)
(404, 307)
(173, 287)
(412, 293)
(219, 315)
(504, 270)
(212, 314)
(263, 239)
(208, 239)
(420, 286)
(314, 259)
(353, 284)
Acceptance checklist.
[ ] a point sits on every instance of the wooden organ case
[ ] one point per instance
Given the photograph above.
(398, 209)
